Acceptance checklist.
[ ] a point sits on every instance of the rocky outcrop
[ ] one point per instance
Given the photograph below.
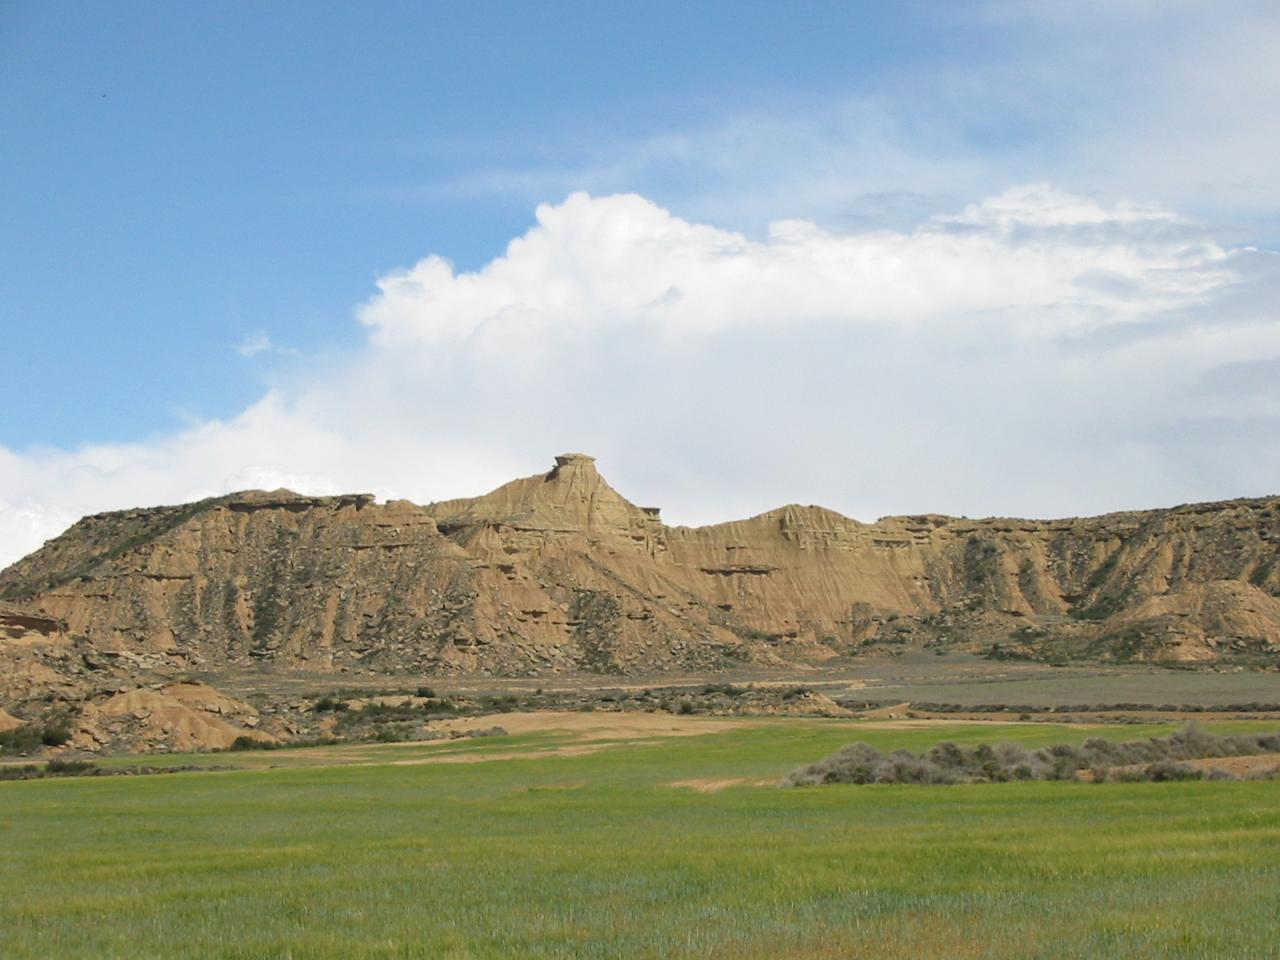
(8, 722)
(559, 573)
(180, 716)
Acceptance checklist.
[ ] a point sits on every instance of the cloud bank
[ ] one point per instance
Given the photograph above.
(1036, 352)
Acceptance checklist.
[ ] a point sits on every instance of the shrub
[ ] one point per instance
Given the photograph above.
(1154, 759)
(55, 736)
(1271, 773)
(392, 734)
(54, 768)
(1171, 770)
(69, 768)
(728, 689)
(252, 743)
(28, 771)
(31, 737)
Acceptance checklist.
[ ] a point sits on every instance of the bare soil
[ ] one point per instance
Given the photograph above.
(715, 786)
(599, 725)
(1239, 766)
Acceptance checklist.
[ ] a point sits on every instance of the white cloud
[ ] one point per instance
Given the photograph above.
(1040, 205)
(621, 261)
(254, 344)
(1035, 353)
(25, 526)
(261, 343)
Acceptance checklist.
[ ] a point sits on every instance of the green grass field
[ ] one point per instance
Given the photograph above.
(597, 855)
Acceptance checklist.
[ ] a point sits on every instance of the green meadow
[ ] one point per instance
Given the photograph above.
(367, 851)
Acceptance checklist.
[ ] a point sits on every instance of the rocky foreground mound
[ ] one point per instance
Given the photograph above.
(558, 573)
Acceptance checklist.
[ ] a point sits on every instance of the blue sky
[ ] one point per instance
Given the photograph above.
(179, 176)
(206, 207)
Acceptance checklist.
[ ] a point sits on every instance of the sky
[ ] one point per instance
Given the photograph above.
(980, 258)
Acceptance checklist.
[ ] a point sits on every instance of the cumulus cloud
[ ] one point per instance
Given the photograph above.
(622, 261)
(1036, 352)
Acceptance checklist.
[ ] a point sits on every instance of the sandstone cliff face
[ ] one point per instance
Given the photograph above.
(560, 573)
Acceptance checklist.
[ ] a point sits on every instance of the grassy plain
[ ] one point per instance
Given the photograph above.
(384, 851)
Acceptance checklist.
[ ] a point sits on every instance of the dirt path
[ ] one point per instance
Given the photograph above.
(601, 725)
(579, 750)
(715, 786)
(1239, 766)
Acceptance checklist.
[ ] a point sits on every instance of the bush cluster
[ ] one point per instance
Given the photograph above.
(252, 743)
(726, 689)
(255, 743)
(84, 768)
(31, 737)
(54, 768)
(1156, 758)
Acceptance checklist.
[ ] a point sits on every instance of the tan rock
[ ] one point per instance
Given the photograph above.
(181, 717)
(558, 573)
(8, 721)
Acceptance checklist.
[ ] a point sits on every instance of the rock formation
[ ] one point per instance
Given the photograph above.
(558, 573)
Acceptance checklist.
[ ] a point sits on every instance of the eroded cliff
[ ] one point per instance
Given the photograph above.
(559, 573)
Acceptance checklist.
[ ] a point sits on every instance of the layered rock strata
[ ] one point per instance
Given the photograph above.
(559, 573)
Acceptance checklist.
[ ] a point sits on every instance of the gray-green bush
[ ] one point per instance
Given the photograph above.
(1155, 758)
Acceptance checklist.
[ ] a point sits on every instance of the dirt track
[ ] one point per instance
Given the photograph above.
(1239, 766)
(601, 725)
